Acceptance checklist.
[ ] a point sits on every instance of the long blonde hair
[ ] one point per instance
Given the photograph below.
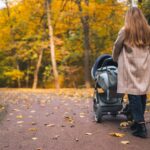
(137, 30)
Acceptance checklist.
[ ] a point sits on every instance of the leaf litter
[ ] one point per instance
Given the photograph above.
(116, 134)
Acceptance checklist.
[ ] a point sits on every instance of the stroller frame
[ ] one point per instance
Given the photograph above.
(104, 105)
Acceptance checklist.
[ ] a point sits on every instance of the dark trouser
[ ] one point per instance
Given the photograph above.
(137, 104)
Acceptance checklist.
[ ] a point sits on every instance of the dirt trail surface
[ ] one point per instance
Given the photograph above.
(47, 120)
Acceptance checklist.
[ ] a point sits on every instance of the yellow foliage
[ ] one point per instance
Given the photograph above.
(14, 74)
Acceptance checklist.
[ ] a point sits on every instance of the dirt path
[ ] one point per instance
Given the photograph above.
(47, 121)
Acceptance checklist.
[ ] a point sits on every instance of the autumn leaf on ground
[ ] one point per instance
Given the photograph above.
(82, 115)
(11, 114)
(117, 134)
(124, 124)
(88, 133)
(49, 125)
(32, 111)
(55, 137)
(47, 114)
(19, 117)
(19, 122)
(32, 129)
(16, 110)
(77, 139)
(2, 108)
(148, 104)
(34, 138)
(69, 119)
(125, 142)
(33, 123)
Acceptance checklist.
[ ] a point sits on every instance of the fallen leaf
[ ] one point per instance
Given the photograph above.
(148, 104)
(125, 142)
(88, 133)
(32, 129)
(47, 114)
(32, 111)
(19, 122)
(55, 137)
(117, 134)
(2, 108)
(82, 115)
(16, 110)
(77, 139)
(124, 124)
(50, 125)
(69, 119)
(19, 117)
(34, 138)
(33, 123)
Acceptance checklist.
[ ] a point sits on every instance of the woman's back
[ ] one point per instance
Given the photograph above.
(132, 51)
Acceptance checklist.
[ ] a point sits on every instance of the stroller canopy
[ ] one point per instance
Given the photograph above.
(99, 62)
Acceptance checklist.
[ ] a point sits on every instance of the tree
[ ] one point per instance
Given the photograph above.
(52, 45)
(86, 29)
(71, 34)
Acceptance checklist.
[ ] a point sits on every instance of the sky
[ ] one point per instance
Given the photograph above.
(2, 4)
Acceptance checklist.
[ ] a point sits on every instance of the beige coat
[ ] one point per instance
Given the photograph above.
(133, 67)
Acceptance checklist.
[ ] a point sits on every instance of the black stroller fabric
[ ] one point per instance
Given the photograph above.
(99, 62)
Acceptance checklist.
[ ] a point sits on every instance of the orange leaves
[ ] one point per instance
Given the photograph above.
(117, 134)
(69, 119)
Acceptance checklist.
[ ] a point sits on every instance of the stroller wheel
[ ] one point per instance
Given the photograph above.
(98, 115)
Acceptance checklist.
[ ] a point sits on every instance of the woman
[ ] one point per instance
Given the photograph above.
(132, 52)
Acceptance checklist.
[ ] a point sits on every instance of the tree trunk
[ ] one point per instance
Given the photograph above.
(85, 25)
(18, 80)
(27, 77)
(52, 46)
(35, 81)
(8, 11)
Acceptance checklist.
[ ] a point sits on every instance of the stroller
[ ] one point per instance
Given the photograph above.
(106, 100)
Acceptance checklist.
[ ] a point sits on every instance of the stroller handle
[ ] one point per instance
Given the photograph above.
(106, 61)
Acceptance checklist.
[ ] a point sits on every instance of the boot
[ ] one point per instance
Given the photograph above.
(134, 126)
(141, 131)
